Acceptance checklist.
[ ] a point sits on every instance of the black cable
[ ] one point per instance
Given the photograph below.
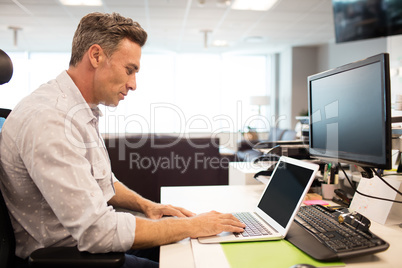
(391, 174)
(366, 195)
(387, 183)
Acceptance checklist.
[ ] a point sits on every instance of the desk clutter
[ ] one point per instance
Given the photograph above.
(331, 233)
(278, 254)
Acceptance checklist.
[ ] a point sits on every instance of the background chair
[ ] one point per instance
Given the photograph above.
(45, 257)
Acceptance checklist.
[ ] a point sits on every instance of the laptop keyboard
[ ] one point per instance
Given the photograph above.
(338, 237)
(253, 226)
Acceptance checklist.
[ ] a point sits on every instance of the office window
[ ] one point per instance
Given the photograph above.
(155, 89)
(176, 93)
(30, 71)
(183, 93)
(243, 77)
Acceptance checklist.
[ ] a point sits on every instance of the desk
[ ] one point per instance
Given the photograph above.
(235, 198)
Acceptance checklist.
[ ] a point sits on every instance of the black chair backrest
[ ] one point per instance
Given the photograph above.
(4, 112)
(7, 238)
(6, 68)
(6, 72)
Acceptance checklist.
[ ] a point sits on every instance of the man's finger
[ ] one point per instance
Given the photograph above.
(185, 212)
(177, 212)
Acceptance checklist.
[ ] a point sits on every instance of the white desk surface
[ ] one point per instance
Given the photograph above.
(200, 199)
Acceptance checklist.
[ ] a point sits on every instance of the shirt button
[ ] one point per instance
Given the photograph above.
(64, 95)
(92, 194)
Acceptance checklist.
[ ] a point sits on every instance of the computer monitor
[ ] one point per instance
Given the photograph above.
(350, 114)
(363, 19)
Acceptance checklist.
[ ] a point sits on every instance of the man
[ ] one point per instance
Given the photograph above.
(59, 187)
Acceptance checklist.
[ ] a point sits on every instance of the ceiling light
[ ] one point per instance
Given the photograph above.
(261, 5)
(81, 2)
(223, 3)
(201, 3)
(254, 39)
(220, 43)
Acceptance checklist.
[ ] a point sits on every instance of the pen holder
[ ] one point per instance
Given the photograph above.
(328, 190)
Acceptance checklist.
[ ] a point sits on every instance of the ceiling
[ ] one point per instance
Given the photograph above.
(173, 25)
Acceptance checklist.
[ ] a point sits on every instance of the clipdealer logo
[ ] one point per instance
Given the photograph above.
(177, 162)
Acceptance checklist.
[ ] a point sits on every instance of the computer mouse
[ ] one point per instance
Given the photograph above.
(302, 265)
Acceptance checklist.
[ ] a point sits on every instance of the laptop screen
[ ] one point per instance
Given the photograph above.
(285, 188)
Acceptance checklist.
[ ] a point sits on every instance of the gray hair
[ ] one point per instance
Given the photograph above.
(106, 30)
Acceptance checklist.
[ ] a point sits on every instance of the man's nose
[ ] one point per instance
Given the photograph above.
(132, 84)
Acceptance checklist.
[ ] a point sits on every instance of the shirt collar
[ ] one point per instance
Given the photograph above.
(71, 98)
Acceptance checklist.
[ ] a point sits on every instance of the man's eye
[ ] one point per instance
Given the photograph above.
(129, 70)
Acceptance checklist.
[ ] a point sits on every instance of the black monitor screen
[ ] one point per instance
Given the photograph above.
(362, 19)
(285, 189)
(349, 110)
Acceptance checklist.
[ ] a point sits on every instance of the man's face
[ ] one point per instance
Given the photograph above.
(116, 74)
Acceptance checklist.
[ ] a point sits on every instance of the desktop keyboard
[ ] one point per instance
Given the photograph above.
(253, 226)
(332, 240)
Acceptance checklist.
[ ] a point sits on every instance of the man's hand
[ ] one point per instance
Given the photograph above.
(157, 211)
(128, 199)
(150, 233)
(213, 223)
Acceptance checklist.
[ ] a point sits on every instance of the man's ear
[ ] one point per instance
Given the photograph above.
(95, 54)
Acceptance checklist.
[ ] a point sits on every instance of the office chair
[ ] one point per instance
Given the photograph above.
(45, 257)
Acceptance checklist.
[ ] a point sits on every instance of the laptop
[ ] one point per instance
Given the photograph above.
(278, 205)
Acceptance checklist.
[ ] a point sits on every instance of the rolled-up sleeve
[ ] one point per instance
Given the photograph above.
(124, 237)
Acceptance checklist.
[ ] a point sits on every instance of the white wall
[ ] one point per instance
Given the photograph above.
(304, 65)
(395, 57)
(334, 55)
(285, 89)
(296, 64)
